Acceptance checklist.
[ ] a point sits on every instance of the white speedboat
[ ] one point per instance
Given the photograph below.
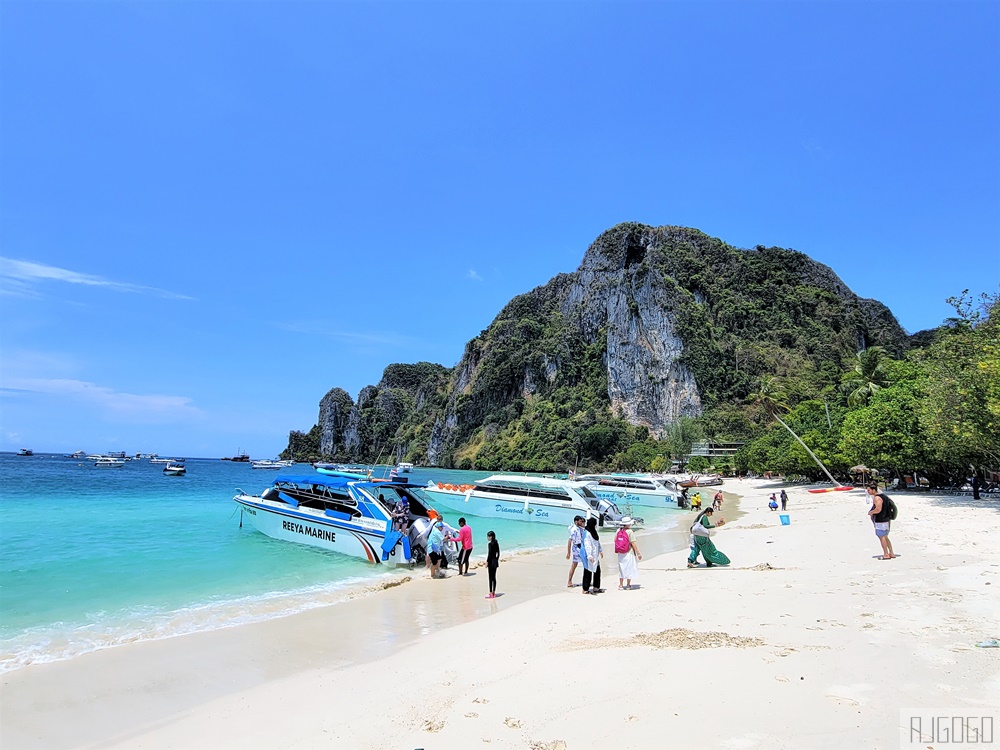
(175, 469)
(343, 515)
(267, 463)
(636, 490)
(404, 467)
(535, 499)
(109, 463)
(26, 452)
(158, 460)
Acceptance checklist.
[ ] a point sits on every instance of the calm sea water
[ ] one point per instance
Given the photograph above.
(92, 558)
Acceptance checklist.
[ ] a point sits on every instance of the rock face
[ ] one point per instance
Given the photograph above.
(335, 410)
(656, 324)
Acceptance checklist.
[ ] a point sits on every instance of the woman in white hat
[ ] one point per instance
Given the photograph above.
(628, 554)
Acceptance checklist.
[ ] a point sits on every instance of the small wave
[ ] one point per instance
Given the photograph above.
(61, 640)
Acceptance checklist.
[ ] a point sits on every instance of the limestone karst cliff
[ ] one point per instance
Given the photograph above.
(656, 324)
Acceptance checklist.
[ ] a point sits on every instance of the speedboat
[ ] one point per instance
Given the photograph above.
(404, 467)
(343, 515)
(520, 498)
(107, 462)
(267, 463)
(637, 490)
(26, 452)
(158, 460)
(175, 469)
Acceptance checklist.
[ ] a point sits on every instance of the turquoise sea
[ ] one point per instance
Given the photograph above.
(92, 558)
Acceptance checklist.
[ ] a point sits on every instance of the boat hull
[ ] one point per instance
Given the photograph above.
(621, 496)
(278, 521)
(486, 506)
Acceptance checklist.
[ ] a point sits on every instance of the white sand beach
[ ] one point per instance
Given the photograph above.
(806, 641)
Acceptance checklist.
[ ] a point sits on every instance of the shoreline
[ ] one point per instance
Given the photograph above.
(782, 643)
(243, 656)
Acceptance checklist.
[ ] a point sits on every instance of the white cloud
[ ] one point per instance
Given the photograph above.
(474, 276)
(20, 275)
(125, 406)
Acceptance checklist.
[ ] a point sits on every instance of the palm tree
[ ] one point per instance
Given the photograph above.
(772, 399)
(867, 377)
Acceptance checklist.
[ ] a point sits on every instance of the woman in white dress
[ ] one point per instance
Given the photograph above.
(628, 562)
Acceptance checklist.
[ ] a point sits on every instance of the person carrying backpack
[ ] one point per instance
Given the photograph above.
(628, 554)
(882, 513)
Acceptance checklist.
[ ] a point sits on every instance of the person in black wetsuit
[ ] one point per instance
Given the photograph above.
(492, 562)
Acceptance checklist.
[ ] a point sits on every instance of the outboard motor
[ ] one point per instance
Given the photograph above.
(609, 512)
(420, 529)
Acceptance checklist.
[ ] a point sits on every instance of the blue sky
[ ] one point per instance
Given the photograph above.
(213, 212)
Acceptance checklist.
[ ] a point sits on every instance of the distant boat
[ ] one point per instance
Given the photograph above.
(157, 460)
(403, 467)
(175, 469)
(26, 452)
(267, 463)
(78, 454)
(243, 458)
(109, 463)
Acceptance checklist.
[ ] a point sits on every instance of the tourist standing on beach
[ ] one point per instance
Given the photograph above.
(717, 500)
(784, 499)
(628, 566)
(435, 546)
(881, 516)
(492, 562)
(701, 541)
(465, 546)
(574, 547)
(592, 554)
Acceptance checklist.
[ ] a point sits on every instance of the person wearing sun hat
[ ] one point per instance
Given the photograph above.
(628, 554)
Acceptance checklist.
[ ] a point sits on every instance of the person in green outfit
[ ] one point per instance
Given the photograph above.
(701, 542)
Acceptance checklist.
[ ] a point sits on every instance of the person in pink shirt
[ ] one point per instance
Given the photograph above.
(465, 542)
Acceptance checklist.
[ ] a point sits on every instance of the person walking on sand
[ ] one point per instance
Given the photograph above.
(592, 554)
(881, 515)
(628, 554)
(717, 500)
(701, 542)
(465, 546)
(574, 546)
(784, 499)
(492, 562)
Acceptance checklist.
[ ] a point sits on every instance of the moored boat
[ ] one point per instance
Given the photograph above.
(637, 490)
(175, 469)
(534, 499)
(343, 515)
(106, 462)
(267, 463)
(26, 452)
(404, 467)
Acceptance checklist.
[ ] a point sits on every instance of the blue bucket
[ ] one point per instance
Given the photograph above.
(786, 520)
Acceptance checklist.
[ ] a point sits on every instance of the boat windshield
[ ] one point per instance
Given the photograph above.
(524, 489)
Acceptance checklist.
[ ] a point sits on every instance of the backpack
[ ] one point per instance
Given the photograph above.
(622, 543)
(890, 507)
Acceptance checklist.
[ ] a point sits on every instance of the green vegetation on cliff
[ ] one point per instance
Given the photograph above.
(660, 338)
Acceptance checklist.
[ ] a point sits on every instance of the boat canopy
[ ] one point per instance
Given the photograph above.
(325, 481)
